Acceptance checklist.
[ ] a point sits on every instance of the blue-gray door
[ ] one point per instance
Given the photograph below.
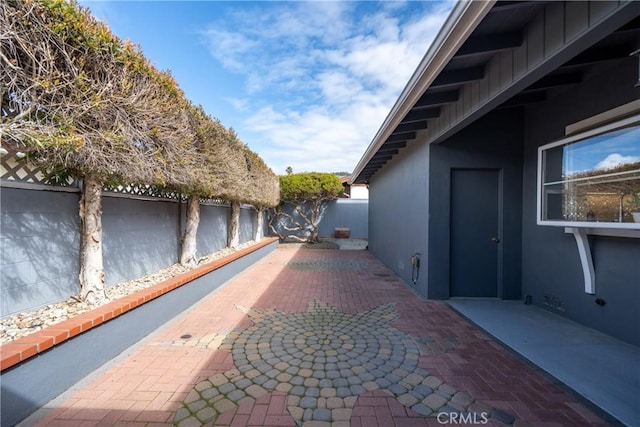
(475, 240)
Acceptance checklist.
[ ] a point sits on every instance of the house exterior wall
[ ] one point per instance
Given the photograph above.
(556, 34)
(542, 262)
(551, 266)
(399, 215)
(493, 142)
(359, 192)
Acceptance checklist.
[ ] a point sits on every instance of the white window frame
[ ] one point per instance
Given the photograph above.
(630, 121)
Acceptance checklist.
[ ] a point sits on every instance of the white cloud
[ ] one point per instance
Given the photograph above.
(614, 160)
(320, 77)
(223, 42)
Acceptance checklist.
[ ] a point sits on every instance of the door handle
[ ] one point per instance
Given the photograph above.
(495, 239)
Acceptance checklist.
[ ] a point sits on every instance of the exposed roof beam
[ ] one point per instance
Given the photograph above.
(419, 115)
(490, 43)
(407, 127)
(438, 98)
(381, 157)
(632, 25)
(368, 174)
(460, 23)
(525, 98)
(592, 56)
(555, 80)
(454, 77)
(374, 162)
(393, 145)
(387, 151)
(401, 136)
(509, 5)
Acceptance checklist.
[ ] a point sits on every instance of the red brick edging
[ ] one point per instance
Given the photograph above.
(29, 346)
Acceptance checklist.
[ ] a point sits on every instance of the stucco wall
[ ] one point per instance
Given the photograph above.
(212, 230)
(350, 213)
(494, 142)
(539, 261)
(40, 241)
(550, 261)
(31, 384)
(139, 237)
(398, 213)
(247, 224)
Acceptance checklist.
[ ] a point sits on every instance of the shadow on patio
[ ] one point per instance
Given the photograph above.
(318, 336)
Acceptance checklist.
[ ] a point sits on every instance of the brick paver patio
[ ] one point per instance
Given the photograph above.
(319, 337)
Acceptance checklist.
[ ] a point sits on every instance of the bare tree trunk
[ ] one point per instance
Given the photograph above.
(259, 234)
(189, 243)
(233, 239)
(274, 223)
(316, 211)
(91, 264)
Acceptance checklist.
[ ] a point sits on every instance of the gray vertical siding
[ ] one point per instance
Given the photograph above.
(557, 33)
(542, 262)
(39, 244)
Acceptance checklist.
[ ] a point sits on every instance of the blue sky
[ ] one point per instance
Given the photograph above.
(603, 152)
(305, 84)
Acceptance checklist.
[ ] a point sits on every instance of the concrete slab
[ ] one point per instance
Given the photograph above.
(602, 369)
(348, 244)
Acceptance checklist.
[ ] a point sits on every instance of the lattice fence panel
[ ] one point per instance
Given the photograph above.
(145, 190)
(15, 169)
(213, 201)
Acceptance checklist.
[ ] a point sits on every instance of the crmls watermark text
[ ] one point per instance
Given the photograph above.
(457, 418)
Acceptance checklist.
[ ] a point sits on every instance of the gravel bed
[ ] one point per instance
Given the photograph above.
(22, 324)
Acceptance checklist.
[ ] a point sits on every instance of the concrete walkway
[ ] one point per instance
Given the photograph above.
(600, 368)
(317, 337)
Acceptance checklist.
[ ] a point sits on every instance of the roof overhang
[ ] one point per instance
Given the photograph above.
(460, 78)
(459, 25)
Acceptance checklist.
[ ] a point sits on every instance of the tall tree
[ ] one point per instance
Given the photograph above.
(303, 200)
(82, 102)
(264, 189)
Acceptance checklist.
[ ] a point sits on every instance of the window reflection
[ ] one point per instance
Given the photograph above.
(595, 179)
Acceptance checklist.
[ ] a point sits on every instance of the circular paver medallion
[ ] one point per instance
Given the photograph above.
(323, 359)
